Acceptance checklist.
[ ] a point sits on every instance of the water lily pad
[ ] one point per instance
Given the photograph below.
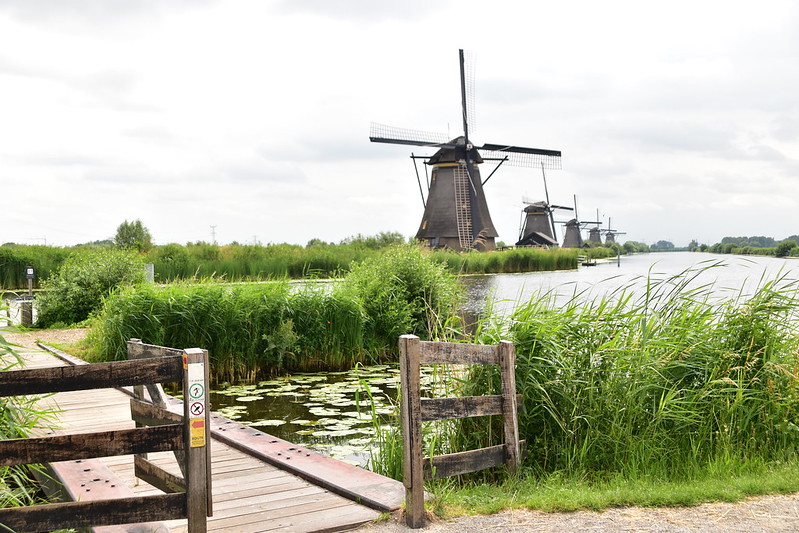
(249, 398)
(272, 423)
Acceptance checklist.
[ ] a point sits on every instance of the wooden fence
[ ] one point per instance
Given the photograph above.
(415, 410)
(158, 429)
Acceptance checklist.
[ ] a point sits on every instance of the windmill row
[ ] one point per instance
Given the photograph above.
(456, 214)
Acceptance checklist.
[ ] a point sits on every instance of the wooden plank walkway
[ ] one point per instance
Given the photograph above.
(249, 493)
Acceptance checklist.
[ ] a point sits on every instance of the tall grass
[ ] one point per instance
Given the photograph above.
(18, 416)
(516, 260)
(15, 258)
(268, 328)
(661, 383)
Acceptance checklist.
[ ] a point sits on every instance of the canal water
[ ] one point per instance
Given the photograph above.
(332, 411)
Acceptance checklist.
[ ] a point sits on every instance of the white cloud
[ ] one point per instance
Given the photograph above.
(254, 116)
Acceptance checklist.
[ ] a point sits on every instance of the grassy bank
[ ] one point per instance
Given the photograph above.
(253, 330)
(661, 396)
(238, 262)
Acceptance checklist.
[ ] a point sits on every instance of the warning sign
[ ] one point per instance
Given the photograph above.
(196, 392)
(196, 409)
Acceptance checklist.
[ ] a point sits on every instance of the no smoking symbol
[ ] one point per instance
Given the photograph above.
(197, 408)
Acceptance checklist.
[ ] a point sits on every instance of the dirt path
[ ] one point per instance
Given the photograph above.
(28, 339)
(761, 514)
(779, 513)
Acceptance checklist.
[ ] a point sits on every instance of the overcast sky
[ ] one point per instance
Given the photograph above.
(677, 120)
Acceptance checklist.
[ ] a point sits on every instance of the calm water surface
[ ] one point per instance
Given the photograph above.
(729, 274)
(331, 411)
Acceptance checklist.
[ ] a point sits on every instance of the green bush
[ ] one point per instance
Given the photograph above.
(402, 291)
(785, 248)
(80, 284)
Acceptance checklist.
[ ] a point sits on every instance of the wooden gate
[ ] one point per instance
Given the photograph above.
(415, 410)
(189, 496)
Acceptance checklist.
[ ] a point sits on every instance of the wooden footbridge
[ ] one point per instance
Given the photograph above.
(258, 482)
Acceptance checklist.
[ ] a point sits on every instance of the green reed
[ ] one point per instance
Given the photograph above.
(274, 327)
(661, 379)
(19, 415)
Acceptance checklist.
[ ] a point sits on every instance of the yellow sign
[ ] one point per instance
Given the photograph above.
(197, 432)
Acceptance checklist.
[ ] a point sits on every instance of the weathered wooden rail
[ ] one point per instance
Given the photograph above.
(260, 483)
(415, 410)
(186, 497)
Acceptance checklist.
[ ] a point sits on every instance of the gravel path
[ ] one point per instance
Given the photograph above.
(778, 513)
(761, 514)
(28, 339)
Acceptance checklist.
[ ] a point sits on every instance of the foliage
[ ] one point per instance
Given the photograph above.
(375, 242)
(784, 248)
(14, 258)
(402, 291)
(633, 247)
(662, 245)
(757, 241)
(133, 235)
(267, 328)
(662, 384)
(18, 416)
(79, 285)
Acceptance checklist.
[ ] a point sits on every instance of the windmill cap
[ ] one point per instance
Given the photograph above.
(455, 152)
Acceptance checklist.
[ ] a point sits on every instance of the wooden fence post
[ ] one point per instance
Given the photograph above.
(507, 356)
(411, 410)
(195, 415)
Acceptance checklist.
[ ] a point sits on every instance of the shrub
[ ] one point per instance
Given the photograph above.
(79, 286)
(402, 291)
(785, 248)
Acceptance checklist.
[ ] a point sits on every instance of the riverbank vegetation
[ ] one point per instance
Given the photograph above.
(255, 262)
(757, 245)
(668, 385)
(262, 329)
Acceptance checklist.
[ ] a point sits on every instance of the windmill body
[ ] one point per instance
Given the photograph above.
(537, 229)
(610, 234)
(573, 237)
(594, 236)
(456, 212)
(451, 214)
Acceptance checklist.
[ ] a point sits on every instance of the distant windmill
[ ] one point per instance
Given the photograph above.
(574, 237)
(456, 213)
(594, 233)
(610, 234)
(539, 221)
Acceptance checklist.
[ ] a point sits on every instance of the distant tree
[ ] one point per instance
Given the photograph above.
(703, 248)
(133, 236)
(663, 245)
(784, 248)
(756, 241)
(375, 242)
(315, 242)
(693, 245)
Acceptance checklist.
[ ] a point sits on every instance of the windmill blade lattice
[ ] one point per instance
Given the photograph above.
(381, 133)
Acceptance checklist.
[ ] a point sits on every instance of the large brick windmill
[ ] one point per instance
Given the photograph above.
(455, 211)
